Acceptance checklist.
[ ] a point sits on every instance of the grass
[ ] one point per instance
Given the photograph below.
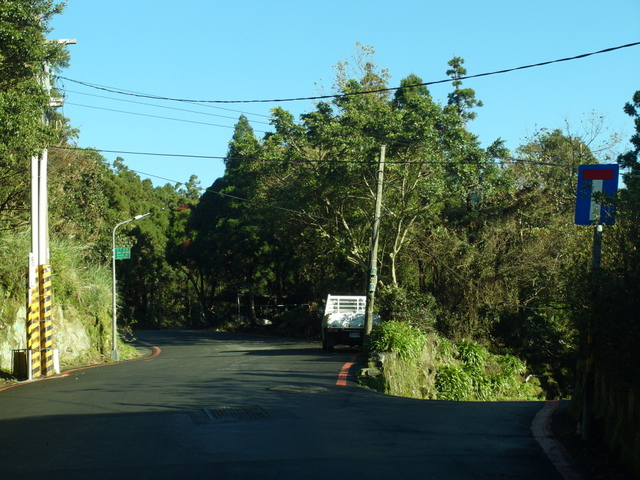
(428, 366)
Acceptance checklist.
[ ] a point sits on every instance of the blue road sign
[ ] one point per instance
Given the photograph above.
(596, 185)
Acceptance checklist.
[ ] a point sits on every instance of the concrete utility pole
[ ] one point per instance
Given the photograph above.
(40, 352)
(373, 256)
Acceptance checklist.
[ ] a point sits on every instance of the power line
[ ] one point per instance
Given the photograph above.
(149, 154)
(169, 108)
(154, 116)
(506, 161)
(324, 97)
(241, 199)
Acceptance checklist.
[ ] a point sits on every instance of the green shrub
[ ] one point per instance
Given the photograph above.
(444, 370)
(471, 353)
(510, 365)
(453, 383)
(447, 350)
(401, 338)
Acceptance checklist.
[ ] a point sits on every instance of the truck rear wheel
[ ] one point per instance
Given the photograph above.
(328, 343)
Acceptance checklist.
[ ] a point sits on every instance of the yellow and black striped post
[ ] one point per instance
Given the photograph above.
(46, 326)
(33, 331)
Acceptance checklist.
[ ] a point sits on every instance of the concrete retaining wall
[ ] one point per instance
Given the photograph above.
(70, 337)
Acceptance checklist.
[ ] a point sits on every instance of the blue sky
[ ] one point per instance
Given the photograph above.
(244, 50)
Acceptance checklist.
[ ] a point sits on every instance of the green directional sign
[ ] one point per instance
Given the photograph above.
(122, 253)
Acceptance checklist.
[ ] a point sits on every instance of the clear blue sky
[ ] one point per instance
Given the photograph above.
(243, 50)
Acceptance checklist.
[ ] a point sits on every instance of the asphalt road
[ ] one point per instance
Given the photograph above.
(228, 406)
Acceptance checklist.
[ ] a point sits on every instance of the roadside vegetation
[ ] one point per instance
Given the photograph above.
(484, 280)
(410, 363)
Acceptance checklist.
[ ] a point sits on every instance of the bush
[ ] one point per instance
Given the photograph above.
(469, 372)
(401, 338)
(429, 366)
(453, 383)
(472, 353)
(81, 289)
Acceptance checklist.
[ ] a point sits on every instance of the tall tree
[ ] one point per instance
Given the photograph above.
(462, 99)
(631, 159)
(24, 52)
(619, 330)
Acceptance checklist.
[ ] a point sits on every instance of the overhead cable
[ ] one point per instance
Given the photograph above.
(168, 108)
(325, 97)
(241, 199)
(155, 116)
(505, 161)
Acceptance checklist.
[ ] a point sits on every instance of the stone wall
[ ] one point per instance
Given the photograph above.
(69, 337)
(13, 336)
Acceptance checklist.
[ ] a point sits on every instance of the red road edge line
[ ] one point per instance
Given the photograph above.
(555, 451)
(343, 376)
(156, 351)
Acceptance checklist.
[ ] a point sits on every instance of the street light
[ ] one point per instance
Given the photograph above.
(115, 355)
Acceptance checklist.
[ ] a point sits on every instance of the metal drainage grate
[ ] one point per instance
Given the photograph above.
(237, 412)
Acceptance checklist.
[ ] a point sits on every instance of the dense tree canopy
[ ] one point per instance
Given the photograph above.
(25, 59)
(474, 242)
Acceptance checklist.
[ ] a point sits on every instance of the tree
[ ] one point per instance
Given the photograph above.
(631, 158)
(461, 99)
(619, 331)
(23, 100)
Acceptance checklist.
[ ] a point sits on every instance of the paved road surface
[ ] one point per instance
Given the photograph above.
(228, 406)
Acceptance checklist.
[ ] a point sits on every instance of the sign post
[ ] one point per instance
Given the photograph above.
(597, 184)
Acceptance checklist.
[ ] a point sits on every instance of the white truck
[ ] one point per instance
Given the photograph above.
(343, 321)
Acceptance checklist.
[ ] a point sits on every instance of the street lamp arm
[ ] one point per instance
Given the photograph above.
(137, 217)
(114, 352)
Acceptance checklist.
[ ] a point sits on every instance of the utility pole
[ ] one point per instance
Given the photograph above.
(373, 256)
(40, 352)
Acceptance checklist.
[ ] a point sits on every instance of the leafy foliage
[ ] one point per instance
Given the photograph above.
(24, 100)
(475, 247)
(432, 367)
(401, 338)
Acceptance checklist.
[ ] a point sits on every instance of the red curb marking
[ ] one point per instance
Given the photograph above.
(555, 451)
(156, 351)
(344, 373)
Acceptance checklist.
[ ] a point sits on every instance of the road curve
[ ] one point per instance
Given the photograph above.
(230, 406)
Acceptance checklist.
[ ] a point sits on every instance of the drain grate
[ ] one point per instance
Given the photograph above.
(235, 412)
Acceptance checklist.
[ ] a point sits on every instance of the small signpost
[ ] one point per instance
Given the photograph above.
(122, 253)
(597, 184)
